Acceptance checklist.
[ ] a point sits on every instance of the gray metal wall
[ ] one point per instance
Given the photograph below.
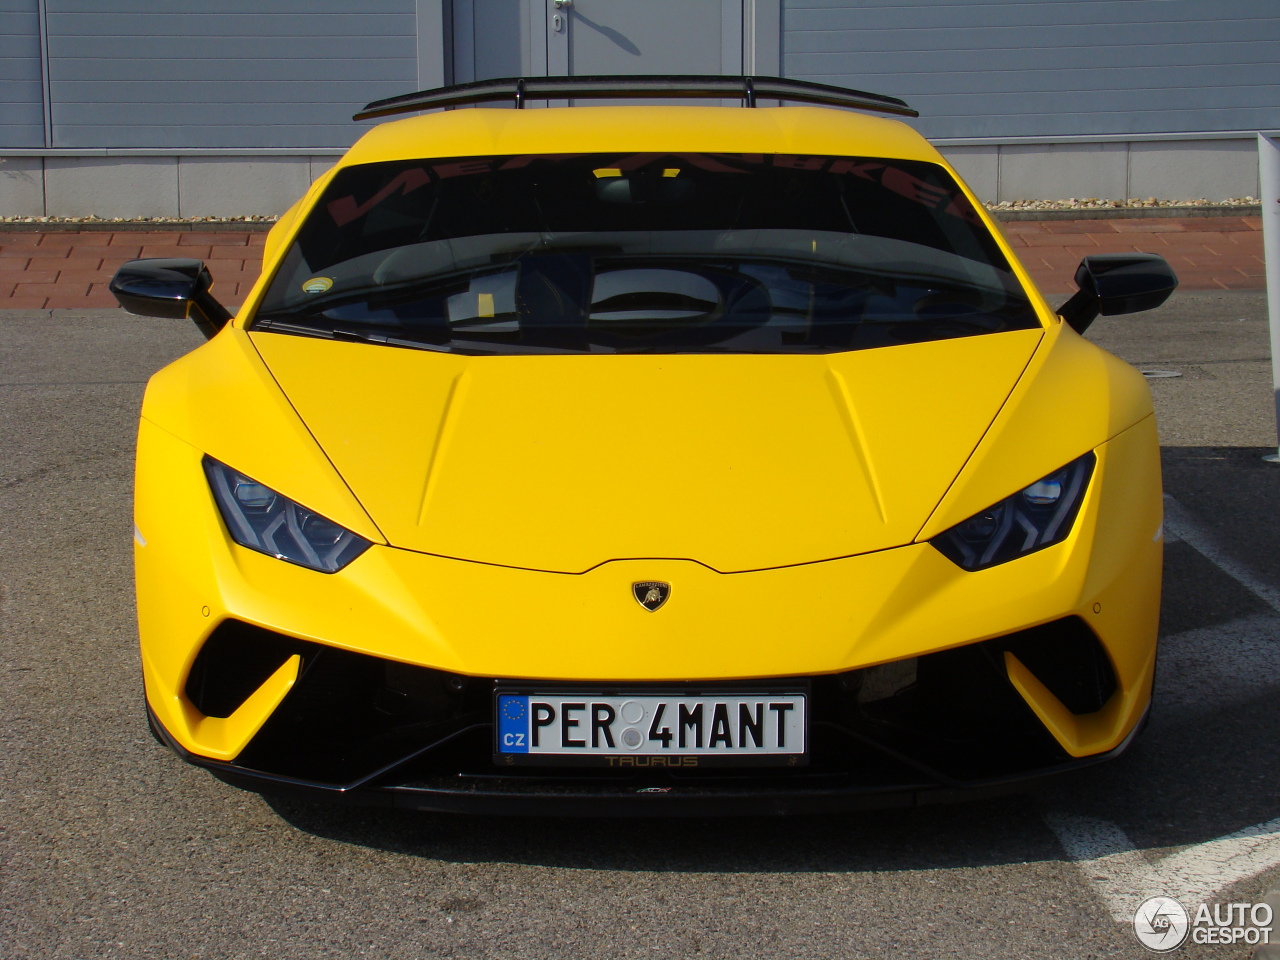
(286, 73)
(1020, 68)
(183, 108)
(192, 74)
(22, 103)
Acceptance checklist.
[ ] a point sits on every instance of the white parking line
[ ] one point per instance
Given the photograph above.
(1124, 876)
(1203, 668)
(1180, 524)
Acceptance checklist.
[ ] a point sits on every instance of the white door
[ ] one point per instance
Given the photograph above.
(511, 38)
(657, 37)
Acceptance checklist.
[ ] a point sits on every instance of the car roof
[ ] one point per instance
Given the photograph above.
(614, 129)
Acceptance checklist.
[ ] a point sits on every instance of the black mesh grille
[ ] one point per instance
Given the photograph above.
(1067, 657)
(952, 713)
(349, 715)
(949, 717)
(234, 662)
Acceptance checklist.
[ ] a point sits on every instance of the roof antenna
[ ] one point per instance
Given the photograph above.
(520, 94)
(750, 84)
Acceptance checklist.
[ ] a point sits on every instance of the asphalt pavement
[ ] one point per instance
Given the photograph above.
(112, 847)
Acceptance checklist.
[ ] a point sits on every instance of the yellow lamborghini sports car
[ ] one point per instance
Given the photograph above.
(646, 460)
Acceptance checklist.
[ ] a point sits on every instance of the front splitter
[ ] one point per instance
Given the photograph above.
(499, 797)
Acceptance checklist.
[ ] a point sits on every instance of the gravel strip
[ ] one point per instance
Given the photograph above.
(1086, 208)
(1134, 203)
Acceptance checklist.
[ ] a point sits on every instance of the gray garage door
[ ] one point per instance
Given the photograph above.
(1012, 68)
(189, 73)
(22, 103)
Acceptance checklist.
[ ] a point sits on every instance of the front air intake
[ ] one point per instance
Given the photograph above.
(234, 662)
(1067, 657)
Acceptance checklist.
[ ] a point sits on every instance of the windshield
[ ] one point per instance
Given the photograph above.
(644, 253)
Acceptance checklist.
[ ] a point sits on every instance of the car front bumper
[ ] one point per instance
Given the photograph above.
(448, 775)
(394, 617)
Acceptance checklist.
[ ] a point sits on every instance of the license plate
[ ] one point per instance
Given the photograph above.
(740, 729)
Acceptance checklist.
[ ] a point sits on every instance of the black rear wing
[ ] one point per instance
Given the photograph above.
(747, 89)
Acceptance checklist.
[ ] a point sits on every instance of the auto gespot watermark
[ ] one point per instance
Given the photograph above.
(1162, 924)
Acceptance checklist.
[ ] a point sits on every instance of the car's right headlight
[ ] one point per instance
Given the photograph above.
(259, 518)
(1035, 517)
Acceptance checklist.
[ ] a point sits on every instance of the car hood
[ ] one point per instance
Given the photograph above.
(561, 463)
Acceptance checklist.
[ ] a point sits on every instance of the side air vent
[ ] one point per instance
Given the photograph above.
(234, 662)
(1067, 657)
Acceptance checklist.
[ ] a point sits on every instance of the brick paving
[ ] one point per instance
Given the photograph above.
(1207, 253)
(70, 270)
(65, 270)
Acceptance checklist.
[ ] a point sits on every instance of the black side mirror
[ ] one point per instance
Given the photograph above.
(1114, 283)
(171, 288)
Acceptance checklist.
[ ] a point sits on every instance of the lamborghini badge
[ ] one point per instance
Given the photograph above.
(651, 594)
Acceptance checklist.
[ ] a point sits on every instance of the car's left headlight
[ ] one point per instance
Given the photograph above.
(259, 518)
(1035, 517)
